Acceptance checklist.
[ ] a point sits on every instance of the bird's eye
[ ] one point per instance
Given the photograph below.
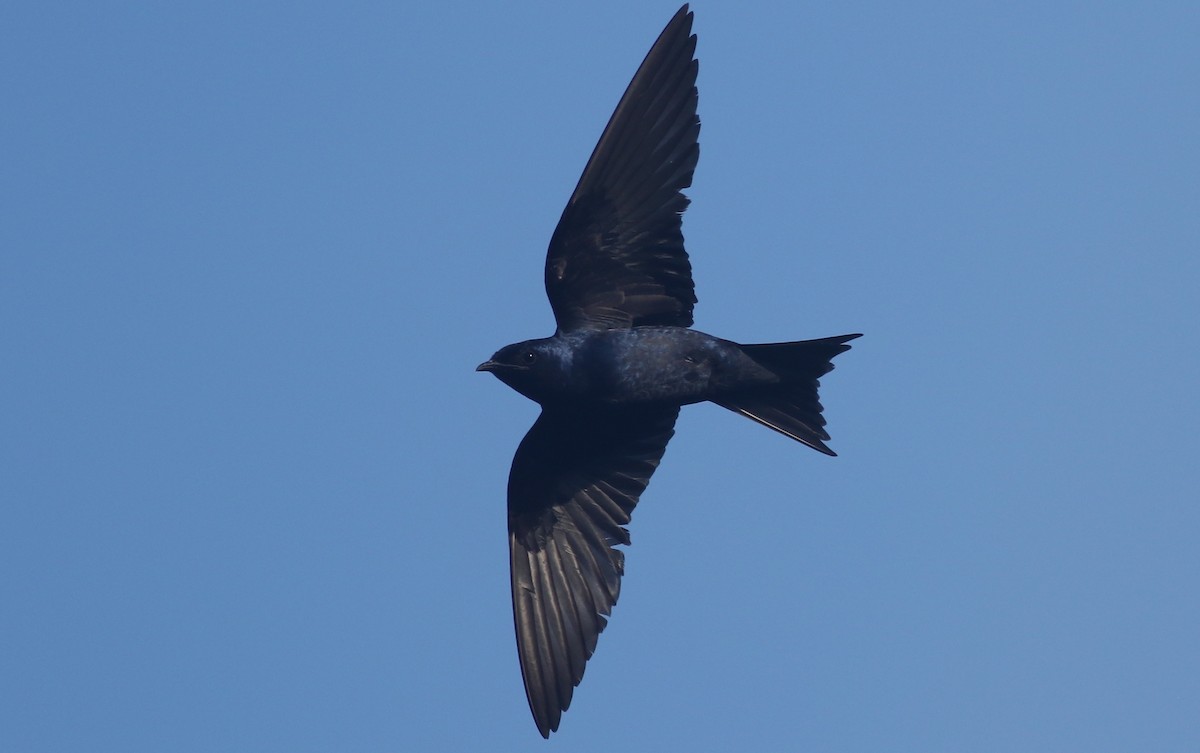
(528, 357)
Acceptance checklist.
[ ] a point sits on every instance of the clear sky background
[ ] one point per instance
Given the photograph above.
(253, 490)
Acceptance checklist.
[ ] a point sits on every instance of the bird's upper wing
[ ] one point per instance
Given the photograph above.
(616, 258)
(574, 482)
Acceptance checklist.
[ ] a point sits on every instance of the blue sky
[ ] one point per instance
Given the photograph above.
(251, 489)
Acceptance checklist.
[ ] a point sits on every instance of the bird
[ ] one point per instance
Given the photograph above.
(621, 363)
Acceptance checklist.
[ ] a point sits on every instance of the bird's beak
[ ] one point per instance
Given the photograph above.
(487, 366)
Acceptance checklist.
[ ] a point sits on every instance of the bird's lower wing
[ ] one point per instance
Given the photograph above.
(574, 482)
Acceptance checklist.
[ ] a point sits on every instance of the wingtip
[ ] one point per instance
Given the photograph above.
(682, 18)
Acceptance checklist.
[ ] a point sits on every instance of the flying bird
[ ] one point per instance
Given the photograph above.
(622, 361)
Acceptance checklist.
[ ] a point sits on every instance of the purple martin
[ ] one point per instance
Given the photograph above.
(613, 377)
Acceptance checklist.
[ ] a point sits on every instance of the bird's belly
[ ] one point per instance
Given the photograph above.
(677, 367)
(654, 384)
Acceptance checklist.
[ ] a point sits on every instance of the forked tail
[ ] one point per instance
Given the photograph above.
(790, 407)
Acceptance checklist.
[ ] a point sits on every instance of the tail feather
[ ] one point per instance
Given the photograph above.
(790, 407)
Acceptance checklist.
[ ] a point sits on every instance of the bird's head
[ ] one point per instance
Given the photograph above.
(535, 368)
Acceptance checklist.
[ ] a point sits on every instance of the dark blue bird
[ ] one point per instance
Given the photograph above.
(613, 377)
